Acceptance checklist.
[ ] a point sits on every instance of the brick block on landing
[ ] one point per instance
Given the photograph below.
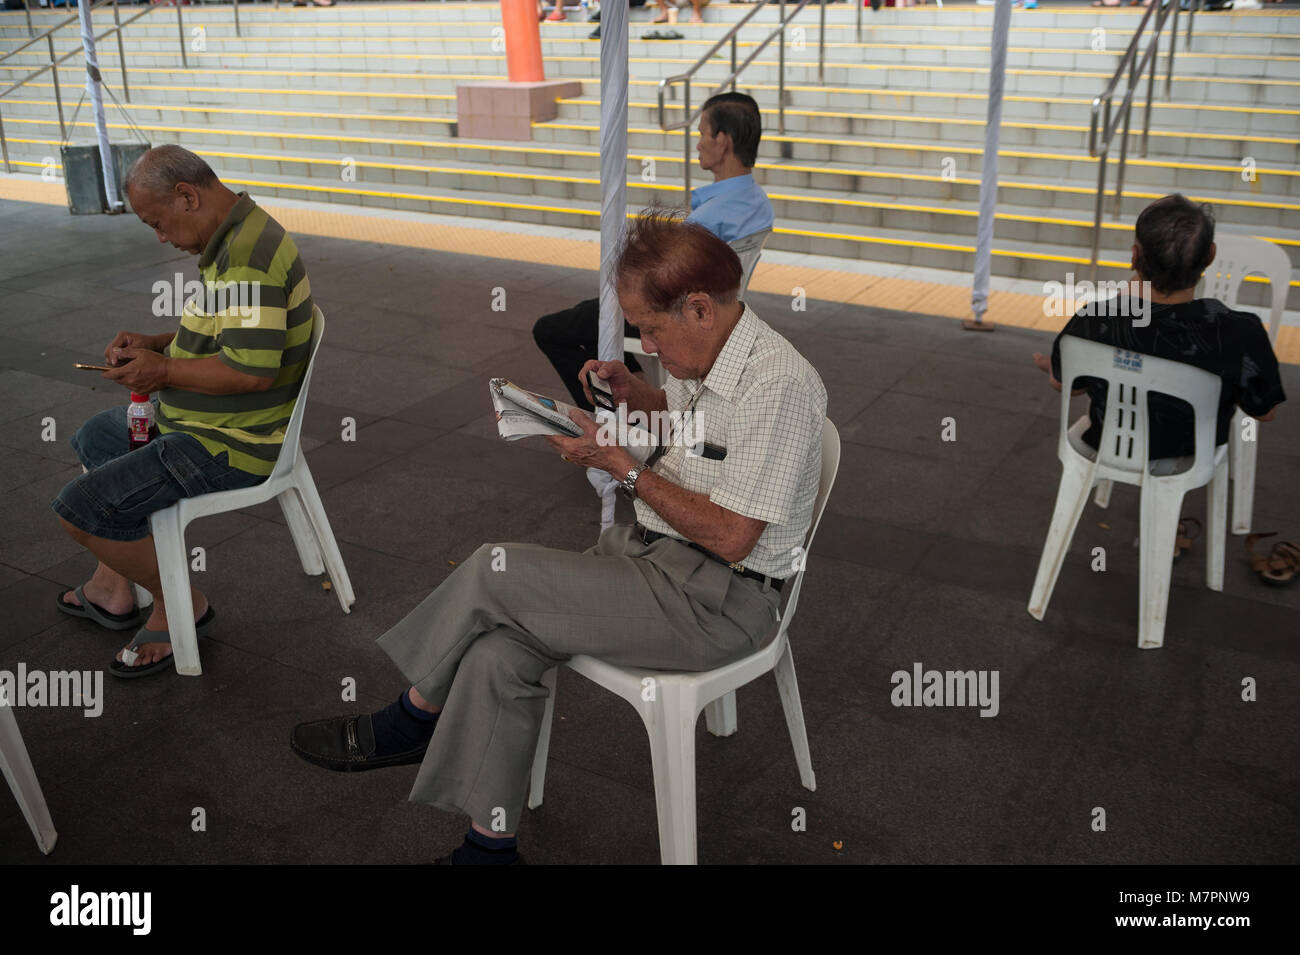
(500, 109)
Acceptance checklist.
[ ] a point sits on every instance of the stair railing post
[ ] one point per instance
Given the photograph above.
(121, 53)
(180, 28)
(821, 43)
(58, 94)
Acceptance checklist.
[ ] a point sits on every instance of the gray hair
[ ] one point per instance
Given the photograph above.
(160, 169)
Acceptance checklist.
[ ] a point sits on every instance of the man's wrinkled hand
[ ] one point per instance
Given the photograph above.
(586, 450)
(621, 382)
(123, 340)
(144, 371)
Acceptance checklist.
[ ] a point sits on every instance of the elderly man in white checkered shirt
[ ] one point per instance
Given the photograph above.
(722, 510)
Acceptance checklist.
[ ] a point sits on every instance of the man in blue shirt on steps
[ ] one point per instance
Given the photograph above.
(731, 207)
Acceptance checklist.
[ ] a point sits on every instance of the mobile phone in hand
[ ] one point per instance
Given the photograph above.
(93, 367)
(601, 393)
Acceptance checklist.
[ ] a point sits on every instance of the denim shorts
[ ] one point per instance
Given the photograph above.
(122, 487)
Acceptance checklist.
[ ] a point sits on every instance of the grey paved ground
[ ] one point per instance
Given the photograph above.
(927, 554)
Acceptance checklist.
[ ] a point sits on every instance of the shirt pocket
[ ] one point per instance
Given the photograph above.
(198, 332)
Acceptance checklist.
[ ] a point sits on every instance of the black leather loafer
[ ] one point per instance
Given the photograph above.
(448, 860)
(346, 744)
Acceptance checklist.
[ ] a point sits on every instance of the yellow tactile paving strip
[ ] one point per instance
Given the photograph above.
(904, 295)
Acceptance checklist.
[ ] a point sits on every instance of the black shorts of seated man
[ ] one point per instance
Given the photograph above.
(694, 584)
(1173, 245)
(732, 207)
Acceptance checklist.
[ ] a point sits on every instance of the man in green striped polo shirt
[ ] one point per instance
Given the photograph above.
(225, 384)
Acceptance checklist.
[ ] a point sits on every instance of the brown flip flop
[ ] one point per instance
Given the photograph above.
(1280, 567)
(1183, 542)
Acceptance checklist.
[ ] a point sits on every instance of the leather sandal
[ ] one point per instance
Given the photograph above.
(1183, 541)
(1280, 567)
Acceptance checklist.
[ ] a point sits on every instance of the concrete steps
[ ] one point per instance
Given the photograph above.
(879, 160)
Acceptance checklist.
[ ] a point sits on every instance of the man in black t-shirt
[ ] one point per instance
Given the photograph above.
(1174, 245)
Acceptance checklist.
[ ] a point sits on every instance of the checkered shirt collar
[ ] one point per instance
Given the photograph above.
(724, 377)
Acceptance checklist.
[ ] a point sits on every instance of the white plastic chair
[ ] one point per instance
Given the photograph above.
(671, 716)
(292, 484)
(18, 772)
(748, 248)
(1122, 456)
(1238, 256)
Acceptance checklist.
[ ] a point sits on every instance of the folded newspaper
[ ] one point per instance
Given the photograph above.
(522, 414)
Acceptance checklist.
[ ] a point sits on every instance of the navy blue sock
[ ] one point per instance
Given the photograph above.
(479, 849)
(422, 715)
(401, 726)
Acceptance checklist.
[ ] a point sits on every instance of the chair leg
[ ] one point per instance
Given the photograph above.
(1242, 470)
(16, 766)
(1102, 498)
(540, 754)
(300, 529)
(1159, 529)
(788, 687)
(1071, 496)
(329, 547)
(720, 715)
(174, 572)
(670, 722)
(1215, 531)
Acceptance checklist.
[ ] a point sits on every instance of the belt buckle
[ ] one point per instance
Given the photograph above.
(737, 567)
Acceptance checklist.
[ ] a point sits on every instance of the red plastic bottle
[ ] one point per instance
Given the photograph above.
(139, 419)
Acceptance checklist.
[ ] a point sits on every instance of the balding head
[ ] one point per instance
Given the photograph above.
(177, 194)
(162, 168)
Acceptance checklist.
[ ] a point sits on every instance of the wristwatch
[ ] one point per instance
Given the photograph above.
(629, 483)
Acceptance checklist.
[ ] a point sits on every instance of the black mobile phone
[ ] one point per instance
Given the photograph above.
(600, 392)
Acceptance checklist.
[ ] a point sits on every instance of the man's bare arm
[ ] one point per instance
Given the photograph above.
(147, 371)
(1043, 363)
(695, 517)
(690, 514)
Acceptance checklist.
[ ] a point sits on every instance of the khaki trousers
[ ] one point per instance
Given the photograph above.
(480, 643)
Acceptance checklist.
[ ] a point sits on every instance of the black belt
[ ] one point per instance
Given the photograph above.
(648, 536)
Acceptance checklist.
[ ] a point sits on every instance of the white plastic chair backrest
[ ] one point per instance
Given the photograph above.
(289, 450)
(830, 467)
(1240, 255)
(1130, 377)
(749, 248)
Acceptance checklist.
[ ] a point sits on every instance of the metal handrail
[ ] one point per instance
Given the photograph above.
(685, 78)
(52, 66)
(1109, 126)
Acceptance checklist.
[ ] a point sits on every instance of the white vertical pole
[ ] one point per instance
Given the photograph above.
(613, 189)
(989, 164)
(97, 106)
